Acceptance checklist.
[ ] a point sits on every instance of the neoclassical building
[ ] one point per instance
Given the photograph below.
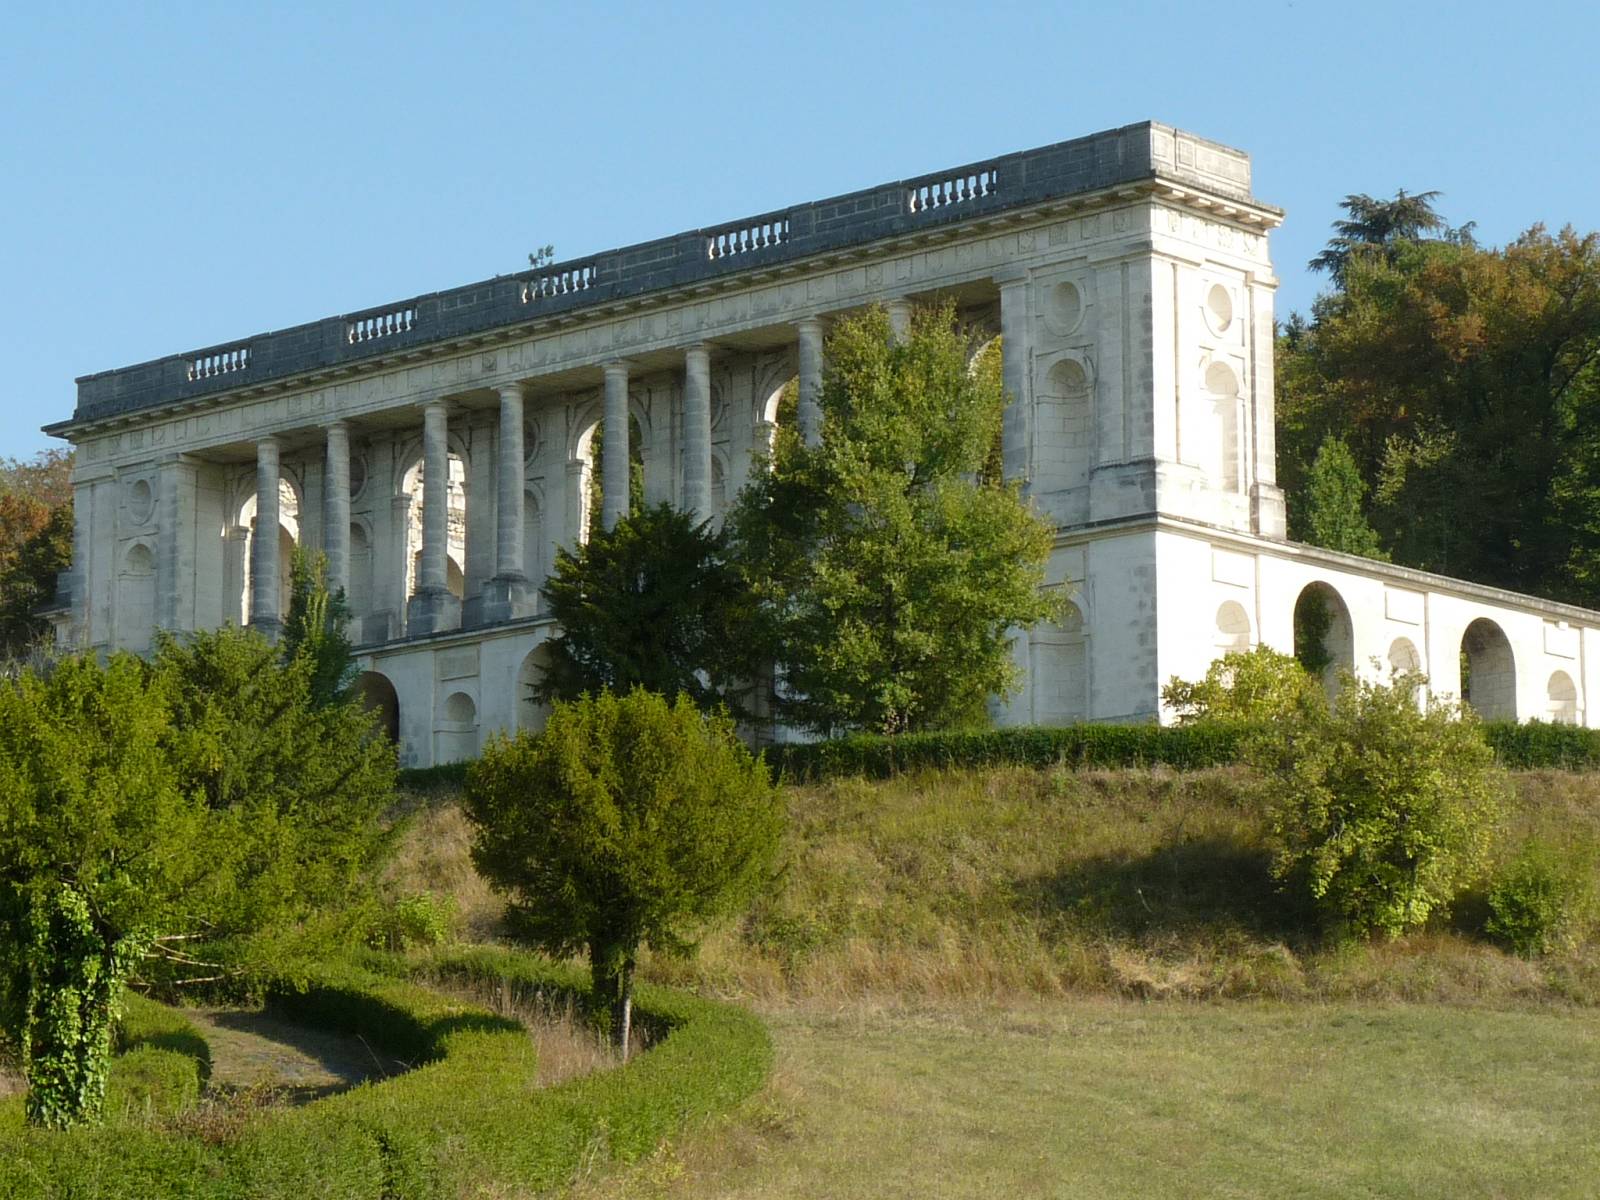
(441, 448)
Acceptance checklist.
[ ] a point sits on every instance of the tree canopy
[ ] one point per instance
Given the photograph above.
(891, 569)
(35, 542)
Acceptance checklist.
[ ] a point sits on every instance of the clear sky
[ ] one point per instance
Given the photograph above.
(173, 175)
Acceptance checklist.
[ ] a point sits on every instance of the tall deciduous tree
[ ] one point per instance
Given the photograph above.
(891, 571)
(629, 821)
(652, 603)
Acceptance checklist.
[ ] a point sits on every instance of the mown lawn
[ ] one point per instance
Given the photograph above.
(1105, 1098)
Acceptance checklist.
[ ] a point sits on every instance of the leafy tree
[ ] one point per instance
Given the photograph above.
(316, 629)
(1258, 686)
(1330, 513)
(890, 574)
(652, 603)
(1385, 809)
(35, 542)
(1375, 226)
(305, 781)
(101, 851)
(1466, 382)
(629, 821)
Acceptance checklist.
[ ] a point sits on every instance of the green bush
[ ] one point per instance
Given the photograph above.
(1383, 810)
(1533, 902)
(1187, 747)
(1253, 686)
(410, 922)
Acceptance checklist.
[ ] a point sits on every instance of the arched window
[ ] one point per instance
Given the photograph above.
(412, 484)
(288, 537)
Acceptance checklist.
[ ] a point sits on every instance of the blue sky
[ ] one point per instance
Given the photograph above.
(175, 176)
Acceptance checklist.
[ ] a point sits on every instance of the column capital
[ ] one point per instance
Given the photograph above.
(617, 366)
(511, 391)
(811, 325)
(337, 425)
(700, 348)
(270, 441)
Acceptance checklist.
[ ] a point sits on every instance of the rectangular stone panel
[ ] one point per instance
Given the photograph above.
(1560, 639)
(1232, 568)
(1403, 606)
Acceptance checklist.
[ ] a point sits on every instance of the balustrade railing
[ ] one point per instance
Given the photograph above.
(219, 362)
(559, 282)
(380, 325)
(747, 236)
(953, 189)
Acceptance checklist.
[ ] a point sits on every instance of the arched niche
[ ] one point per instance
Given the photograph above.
(455, 736)
(1210, 439)
(1561, 699)
(1404, 659)
(378, 697)
(531, 715)
(1068, 394)
(1324, 635)
(359, 594)
(1059, 668)
(1233, 628)
(1488, 671)
(136, 599)
(533, 538)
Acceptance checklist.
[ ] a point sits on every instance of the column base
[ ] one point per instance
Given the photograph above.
(271, 630)
(432, 612)
(506, 598)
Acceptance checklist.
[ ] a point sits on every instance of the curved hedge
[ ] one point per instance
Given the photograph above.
(466, 1119)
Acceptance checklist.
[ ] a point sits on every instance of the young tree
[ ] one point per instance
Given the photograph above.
(890, 573)
(629, 821)
(1385, 809)
(651, 603)
(316, 629)
(35, 542)
(1331, 512)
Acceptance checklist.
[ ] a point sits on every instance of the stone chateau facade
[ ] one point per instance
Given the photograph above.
(439, 449)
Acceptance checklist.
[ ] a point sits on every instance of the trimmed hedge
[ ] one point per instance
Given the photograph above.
(466, 1120)
(1186, 747)
(1535, 745)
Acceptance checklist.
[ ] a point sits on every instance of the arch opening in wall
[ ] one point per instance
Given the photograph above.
(1059, 669)
(289, 531)
(1233, 628)
(412, 484)
(136, 599)
(533, 539)
(455, 734)
(1488, 671)
(359, 595)
(531, 714)
(590, 451)
(378, 697)
(1324, 636)
(1561, 699)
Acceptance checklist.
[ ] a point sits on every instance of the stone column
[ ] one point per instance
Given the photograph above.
(336, 507)
(1016, 428)
(265, 579)
(175, 560)
(434, 608)
(810, 406)
(615, 456)
(696, 431)
(899, 318)
(509, 594)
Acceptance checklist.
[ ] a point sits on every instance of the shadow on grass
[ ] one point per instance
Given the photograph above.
(185, 1042)
(1195, 887)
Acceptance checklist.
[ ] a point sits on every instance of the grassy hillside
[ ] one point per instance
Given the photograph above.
(1012, 883)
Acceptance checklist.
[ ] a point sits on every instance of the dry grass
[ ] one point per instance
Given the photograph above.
(568, 1044)
(433, 855)
(1014, 883)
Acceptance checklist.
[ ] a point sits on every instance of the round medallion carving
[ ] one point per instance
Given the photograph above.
(141, 501)
(1066, 307)
(1219, 308)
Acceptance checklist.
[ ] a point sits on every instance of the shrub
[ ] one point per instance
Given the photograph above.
(418, 920)
(629, 820)
(1384, 809)
(1533, 903)
(1533, 745)
(1254, 686)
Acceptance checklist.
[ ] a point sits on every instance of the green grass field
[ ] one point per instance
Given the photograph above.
(1100, 1098)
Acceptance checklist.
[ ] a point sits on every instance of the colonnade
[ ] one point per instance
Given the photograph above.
(509, 592)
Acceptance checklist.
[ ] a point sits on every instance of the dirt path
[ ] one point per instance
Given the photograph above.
(253, 1050)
